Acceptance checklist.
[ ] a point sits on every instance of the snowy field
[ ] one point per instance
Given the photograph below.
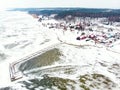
(70, 65)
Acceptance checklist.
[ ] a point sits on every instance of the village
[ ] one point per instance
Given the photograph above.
(95, 30)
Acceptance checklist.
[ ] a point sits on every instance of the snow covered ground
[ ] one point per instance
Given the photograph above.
(81, 66)
(20, 36)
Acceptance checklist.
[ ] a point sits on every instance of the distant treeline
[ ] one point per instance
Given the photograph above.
(61, 13)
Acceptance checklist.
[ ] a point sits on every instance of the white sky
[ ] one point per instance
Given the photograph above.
(60, 3)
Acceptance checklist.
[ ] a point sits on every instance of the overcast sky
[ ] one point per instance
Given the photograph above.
(60, 3)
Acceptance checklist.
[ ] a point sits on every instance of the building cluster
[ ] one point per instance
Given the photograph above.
(89, 30)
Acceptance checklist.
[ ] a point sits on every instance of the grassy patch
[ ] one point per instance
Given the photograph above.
(49, 82)
(95, 81)
(44, 59)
